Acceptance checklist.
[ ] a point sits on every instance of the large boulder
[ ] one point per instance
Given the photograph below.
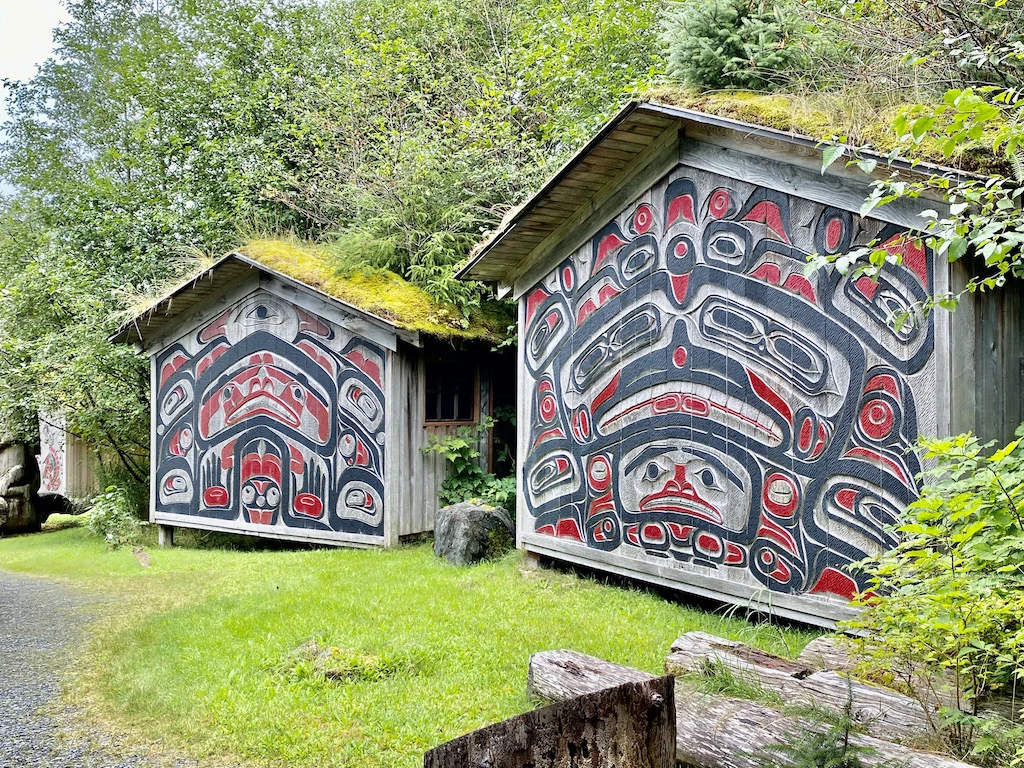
(469, 532)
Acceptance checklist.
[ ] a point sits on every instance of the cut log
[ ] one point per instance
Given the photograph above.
(711, 731)
(883, 713)
(627, 726)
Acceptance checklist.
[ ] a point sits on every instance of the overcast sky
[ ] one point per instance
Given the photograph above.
(26, 37)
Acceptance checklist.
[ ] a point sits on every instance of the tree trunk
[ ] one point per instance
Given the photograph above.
(882, 712)
(628, 726)
(711, 731)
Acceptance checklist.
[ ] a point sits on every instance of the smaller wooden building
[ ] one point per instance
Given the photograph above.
(67, 464)
(284, 406)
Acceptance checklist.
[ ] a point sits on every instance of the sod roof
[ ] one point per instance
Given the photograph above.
(379, 294)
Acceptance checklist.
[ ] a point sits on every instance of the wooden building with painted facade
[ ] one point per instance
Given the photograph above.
(695, 411)
(281, 409)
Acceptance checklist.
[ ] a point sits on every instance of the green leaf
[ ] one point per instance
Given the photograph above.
(830, 155)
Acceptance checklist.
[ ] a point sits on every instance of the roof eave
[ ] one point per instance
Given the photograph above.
(476, 269)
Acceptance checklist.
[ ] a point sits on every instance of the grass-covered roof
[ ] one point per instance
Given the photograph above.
(825, 116)
(381, 293)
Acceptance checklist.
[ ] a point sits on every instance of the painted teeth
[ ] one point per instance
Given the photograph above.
(741, 416)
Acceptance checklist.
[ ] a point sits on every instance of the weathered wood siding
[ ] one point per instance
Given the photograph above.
(987, 358)
(698, 413)
(271, 419)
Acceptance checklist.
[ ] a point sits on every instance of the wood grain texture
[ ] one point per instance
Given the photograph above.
(711, 731)
(628, 726)
(882, 712)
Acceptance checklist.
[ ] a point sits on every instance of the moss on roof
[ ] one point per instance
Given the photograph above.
(381, 293)
(825, 116)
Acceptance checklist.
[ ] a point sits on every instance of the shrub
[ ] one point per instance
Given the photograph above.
(112, 518)
(730, 43)
(948, 600)
(466, 478)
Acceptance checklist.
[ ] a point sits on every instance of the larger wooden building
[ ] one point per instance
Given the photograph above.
(282, 409)
(697, 412)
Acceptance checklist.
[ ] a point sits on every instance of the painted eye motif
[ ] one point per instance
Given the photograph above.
(273, 497)
(707, 477)
(298, 393)
(261, 313)
(248, 494)
(227, 393)
(653, 471)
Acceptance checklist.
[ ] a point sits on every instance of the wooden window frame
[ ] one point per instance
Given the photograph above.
(454, 422)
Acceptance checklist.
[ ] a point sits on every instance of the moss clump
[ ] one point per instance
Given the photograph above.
(380, 292)
(850, 116)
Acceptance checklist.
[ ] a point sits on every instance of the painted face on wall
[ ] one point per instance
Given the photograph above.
(266, 415)
(265, 386)
(260, 488)
(693, 389)
(674, 480)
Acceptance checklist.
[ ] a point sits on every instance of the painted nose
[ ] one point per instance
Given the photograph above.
(678, 483)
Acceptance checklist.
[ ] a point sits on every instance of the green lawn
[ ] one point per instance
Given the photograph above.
(194, 651)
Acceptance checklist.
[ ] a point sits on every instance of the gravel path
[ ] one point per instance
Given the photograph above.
(38, 619)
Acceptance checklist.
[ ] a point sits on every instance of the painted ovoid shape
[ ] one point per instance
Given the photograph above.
(697, 400)
(272, 416)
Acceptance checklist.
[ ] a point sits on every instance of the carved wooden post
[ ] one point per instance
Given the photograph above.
(629, 726)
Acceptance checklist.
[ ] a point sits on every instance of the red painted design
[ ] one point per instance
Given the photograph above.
(770, 273)
(171, 367)
(772, 530)
(679, 357)
(718, 205)
(366, 365)
(912, 252)
(801, 285)
(767, 212)
(680, 284)
(308, 505)
(866, 286)
(533, 303)
(599, 474)
(568, 529)
(769, 395)
(781, 495)
(210, 358)
(215, 329)
(607, 392)
(643, 219)
(609, 244)
(884, 383)
(833, 234)
(877, 419)
(709, 544)
(216, 496)
(680, 496)
(846, 498)
(834, 582)
(681, 208)
(734, 554)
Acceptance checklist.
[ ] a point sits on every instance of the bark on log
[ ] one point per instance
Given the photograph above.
(628, 726)
(711, 731)
(884, 713)
(840, 654)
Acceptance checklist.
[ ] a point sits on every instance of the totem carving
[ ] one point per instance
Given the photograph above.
(272, 416)
(698, 401)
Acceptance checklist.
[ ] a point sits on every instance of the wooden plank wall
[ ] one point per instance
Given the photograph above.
(81, 468)
(420, 475)
(987, 359)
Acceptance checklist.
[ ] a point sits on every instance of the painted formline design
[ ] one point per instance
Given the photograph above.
(272, 416)
(697, 400)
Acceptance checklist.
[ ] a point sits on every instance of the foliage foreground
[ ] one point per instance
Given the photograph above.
(203, 650)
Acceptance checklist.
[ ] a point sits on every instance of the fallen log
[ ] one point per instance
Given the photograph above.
(840, 654)
(882, 712)
(711, 731)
